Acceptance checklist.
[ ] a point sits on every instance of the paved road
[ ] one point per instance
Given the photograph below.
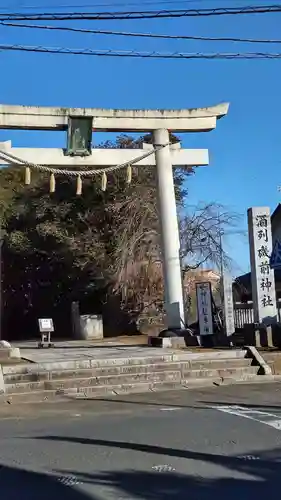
(221, 443)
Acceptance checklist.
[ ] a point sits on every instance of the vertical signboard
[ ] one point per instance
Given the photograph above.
(228, 308)
(262, 276)
(204, 308)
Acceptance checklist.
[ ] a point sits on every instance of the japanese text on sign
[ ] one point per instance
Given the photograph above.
(262, 223)
(204, 308)
(228, 305)
(262, 276)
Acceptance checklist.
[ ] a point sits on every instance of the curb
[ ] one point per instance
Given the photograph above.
(2, 383)
(257, 357)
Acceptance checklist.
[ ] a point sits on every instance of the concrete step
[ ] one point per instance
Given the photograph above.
(97, 372)
(218, 354)
(123, 369)
(109, 376)
(84, 364)
(89, 392)
(192, 382)
(93, 381)
(167, 375)
(231, 371)
(220, 363)
(115, 390)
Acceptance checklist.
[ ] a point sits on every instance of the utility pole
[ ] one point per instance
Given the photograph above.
(1, 244)
(221, 271)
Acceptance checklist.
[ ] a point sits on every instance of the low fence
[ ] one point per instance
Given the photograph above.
(244, 313)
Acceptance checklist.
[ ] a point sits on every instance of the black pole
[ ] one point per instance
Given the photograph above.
(221, 271)
(1, 244)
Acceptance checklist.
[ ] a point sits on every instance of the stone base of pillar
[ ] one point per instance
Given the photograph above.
(174, 342)
(184, 336)
(259, 336)
(7, 353)
(176, 332)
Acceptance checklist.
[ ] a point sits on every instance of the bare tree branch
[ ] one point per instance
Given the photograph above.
(202, 233)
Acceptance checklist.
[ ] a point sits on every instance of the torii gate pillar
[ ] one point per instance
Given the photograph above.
(169, 232)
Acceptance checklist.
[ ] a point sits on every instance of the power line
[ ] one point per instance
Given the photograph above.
(110, 4)
(142, 35)
(137, 54)
(149, 14)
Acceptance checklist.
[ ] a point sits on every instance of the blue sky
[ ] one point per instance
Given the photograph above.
(245, 147)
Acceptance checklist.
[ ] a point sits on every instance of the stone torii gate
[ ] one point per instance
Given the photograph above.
(79, 153)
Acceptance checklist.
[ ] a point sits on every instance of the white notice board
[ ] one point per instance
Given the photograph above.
(46, 325)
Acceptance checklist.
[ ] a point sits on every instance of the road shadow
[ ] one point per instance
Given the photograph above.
(269, 461)
(163, 404)
(263, 480)
(20, 484)
(210, 395)
(172, 486)
(248, 477)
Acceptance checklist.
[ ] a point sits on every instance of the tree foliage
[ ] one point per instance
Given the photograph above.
(60, 248)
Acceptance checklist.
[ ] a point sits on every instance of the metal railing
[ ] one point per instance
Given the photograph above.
(244, 313)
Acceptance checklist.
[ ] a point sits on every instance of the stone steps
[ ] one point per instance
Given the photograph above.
(165, 375)
(220, 363)
(81, 364)
(115, 390)
(109, 371)
(103, 377)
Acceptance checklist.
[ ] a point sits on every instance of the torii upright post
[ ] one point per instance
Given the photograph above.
(159, 123)
(169, 232)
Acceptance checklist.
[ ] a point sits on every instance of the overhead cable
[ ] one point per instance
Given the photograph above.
(137, 54)
(141, 35)
(149, 14)
(106, 4)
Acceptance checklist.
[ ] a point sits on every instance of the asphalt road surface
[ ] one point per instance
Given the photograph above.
(220, 443)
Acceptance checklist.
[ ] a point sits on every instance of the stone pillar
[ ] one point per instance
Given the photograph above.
(174, 304)
(262, 276)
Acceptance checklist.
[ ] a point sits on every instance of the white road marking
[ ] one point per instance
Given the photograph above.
(262, 417)
(69, 480)
(170, 409)
(248, 457)
(163, 468)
